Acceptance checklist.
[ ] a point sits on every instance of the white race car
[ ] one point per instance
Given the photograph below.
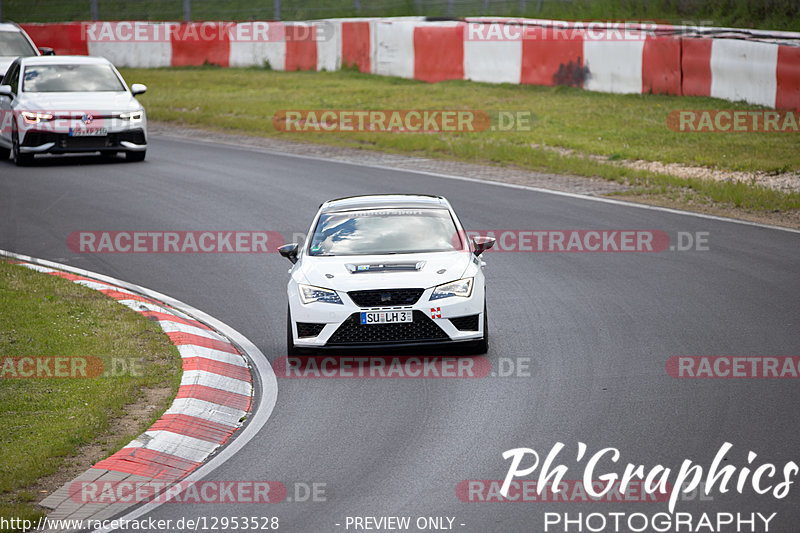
(69, 104)
(387, 271)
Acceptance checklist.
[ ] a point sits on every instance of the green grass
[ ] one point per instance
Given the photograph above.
(617, 126)
(768, 14)
(45, 421)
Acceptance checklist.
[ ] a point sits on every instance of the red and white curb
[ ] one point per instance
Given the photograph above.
(215, 397)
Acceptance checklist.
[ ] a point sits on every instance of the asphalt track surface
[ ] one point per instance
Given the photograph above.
(597, 328)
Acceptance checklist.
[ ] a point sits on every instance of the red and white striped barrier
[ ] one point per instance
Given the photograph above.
(649, 59)
(756, 72)
(213, 399)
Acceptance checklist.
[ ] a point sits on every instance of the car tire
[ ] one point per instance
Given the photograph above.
(19, 158)
(291, 349)
(135, 157)
(482, 346)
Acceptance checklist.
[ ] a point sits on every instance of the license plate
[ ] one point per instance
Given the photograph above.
(386, 317)
(88, 132)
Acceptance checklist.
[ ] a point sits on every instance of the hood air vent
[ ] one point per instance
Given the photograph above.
(384, 267)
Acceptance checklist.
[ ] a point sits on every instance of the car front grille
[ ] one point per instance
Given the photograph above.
(385, 297)
(353, 332)
(83, 142)
(64, 141)
(132, 136)
(309, 329)
(38, 138)
(466, 323)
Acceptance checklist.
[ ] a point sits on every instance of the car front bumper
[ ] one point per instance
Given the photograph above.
(442, 321)
(41, 142)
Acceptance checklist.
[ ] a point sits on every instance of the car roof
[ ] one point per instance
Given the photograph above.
(9, 26)
(372, 201)
(65, 60)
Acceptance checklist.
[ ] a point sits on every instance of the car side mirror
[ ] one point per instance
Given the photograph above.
(481, 244)
(47, 51)
(289, 251)
(5, 90)
(138, 88)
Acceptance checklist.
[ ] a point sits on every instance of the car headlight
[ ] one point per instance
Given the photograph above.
(31, 117)
(309, 293)
(133, 116)
(462, 287)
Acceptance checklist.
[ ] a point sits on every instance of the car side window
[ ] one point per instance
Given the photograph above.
(12, 77)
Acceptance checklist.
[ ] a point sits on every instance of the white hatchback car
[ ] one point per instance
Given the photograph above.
(387, 271)
(69, 104)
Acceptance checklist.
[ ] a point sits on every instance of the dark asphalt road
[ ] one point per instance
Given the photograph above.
(597, 328)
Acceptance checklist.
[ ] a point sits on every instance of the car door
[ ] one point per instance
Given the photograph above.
(7, 103)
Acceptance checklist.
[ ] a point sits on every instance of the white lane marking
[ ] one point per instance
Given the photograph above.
(485, 182)
(216, 381)
(39, 268)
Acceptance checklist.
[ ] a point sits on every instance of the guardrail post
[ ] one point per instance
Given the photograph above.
(187, 10)
(276, 9)
(93, 10)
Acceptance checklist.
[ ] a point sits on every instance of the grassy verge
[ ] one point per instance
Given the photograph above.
(47, 421)
(612, 125)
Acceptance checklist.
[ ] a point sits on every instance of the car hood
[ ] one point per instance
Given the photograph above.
(99, 102)
(384, 271)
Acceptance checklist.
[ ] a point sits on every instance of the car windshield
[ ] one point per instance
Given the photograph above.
(14, 44)
(70, 78)
(385, 231)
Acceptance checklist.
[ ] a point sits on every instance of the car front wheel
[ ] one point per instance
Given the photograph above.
(19, 158)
